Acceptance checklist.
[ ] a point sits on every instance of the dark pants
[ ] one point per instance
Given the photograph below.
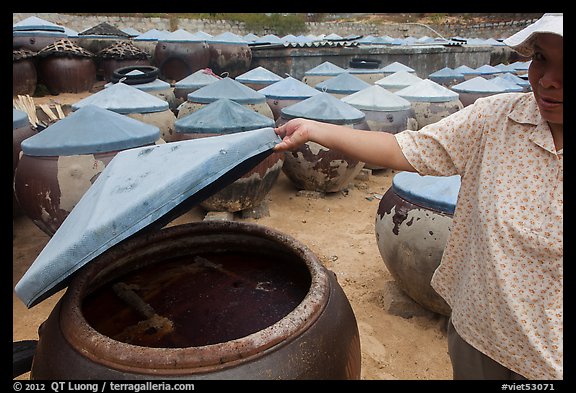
(469, 363)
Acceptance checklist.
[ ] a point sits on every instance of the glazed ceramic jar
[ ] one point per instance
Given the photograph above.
(286, 92)
(64, 67)
(59, 164)
(431, 102)
(222, 117)
(137, 104)
(118, 55)
(313, 167)
(179, 54)
(229, 53)
(225, 88)
(412, 226)
(229, 300)
(24, 75)
(21, 130)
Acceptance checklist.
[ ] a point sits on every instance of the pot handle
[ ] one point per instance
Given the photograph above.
(22, 355)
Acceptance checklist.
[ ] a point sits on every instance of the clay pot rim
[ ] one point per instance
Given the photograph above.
(192, 360)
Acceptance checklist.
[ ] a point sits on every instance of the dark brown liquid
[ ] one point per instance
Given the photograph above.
(200, 301)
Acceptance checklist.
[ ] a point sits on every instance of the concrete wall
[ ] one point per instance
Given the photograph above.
(397, 30)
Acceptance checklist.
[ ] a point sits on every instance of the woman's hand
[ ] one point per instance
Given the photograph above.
(294, 133)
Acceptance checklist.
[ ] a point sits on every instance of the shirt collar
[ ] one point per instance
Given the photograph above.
(527, 112)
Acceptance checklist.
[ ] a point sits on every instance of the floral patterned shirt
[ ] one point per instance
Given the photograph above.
(502, 267)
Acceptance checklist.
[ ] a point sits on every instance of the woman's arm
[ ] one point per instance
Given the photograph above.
(373, 147)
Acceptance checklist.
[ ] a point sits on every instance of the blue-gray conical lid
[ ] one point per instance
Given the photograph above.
(398, 80)
(435, 192)
(223, 117)
(507, 85)
(427, 91)
(19, 119)
(89, 130)
(144, 196)
(344, 83)
(377, 98)
(446, 72)
(258, 75)
(197, 79)
(180, 35)
(397, 66)
(227, 38)
(478, 85)
(325, 68)
(289, 89)
(324, 107)
(226, 88)
(35, 23)
(124, 99)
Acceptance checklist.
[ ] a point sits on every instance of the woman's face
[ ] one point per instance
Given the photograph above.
(546, 76)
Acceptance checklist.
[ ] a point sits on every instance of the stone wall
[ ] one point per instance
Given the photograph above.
(214, 27)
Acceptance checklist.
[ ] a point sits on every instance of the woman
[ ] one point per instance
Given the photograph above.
(502, 267)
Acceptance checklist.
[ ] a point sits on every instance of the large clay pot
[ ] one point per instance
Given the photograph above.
(234, 301)
(60, 163)
(35, 33)
(21, 130)
(24, 76)
(313, 167)
(412, 227)
(228, 117)
(179, 54)
(64, 67)
(431, 101)
(229, 53)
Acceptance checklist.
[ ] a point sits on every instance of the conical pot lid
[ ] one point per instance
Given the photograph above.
(324, 107)
(398, 80)
(227, 38)
(344, 83)
(377, 98)
(427, 91)
(258, 75)
(516, 79)
(226, 88)
(144, 196)
(156, 84)
(223, 117)
(465, 70)
(35, 23)
(289, 89)
(180, 35)
(19, 119)
(325, 68)
(487, 69)
(396, 66)
(89, 130)
(507, 85)
(435, 192)
(124, 99)
(197, 79)
(477, 85)
(446, 72)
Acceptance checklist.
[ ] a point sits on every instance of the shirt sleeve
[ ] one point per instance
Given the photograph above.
(444, 148)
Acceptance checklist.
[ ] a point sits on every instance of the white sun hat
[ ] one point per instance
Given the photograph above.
(522, 41)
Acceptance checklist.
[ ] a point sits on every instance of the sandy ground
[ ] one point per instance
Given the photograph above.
(340, 229)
